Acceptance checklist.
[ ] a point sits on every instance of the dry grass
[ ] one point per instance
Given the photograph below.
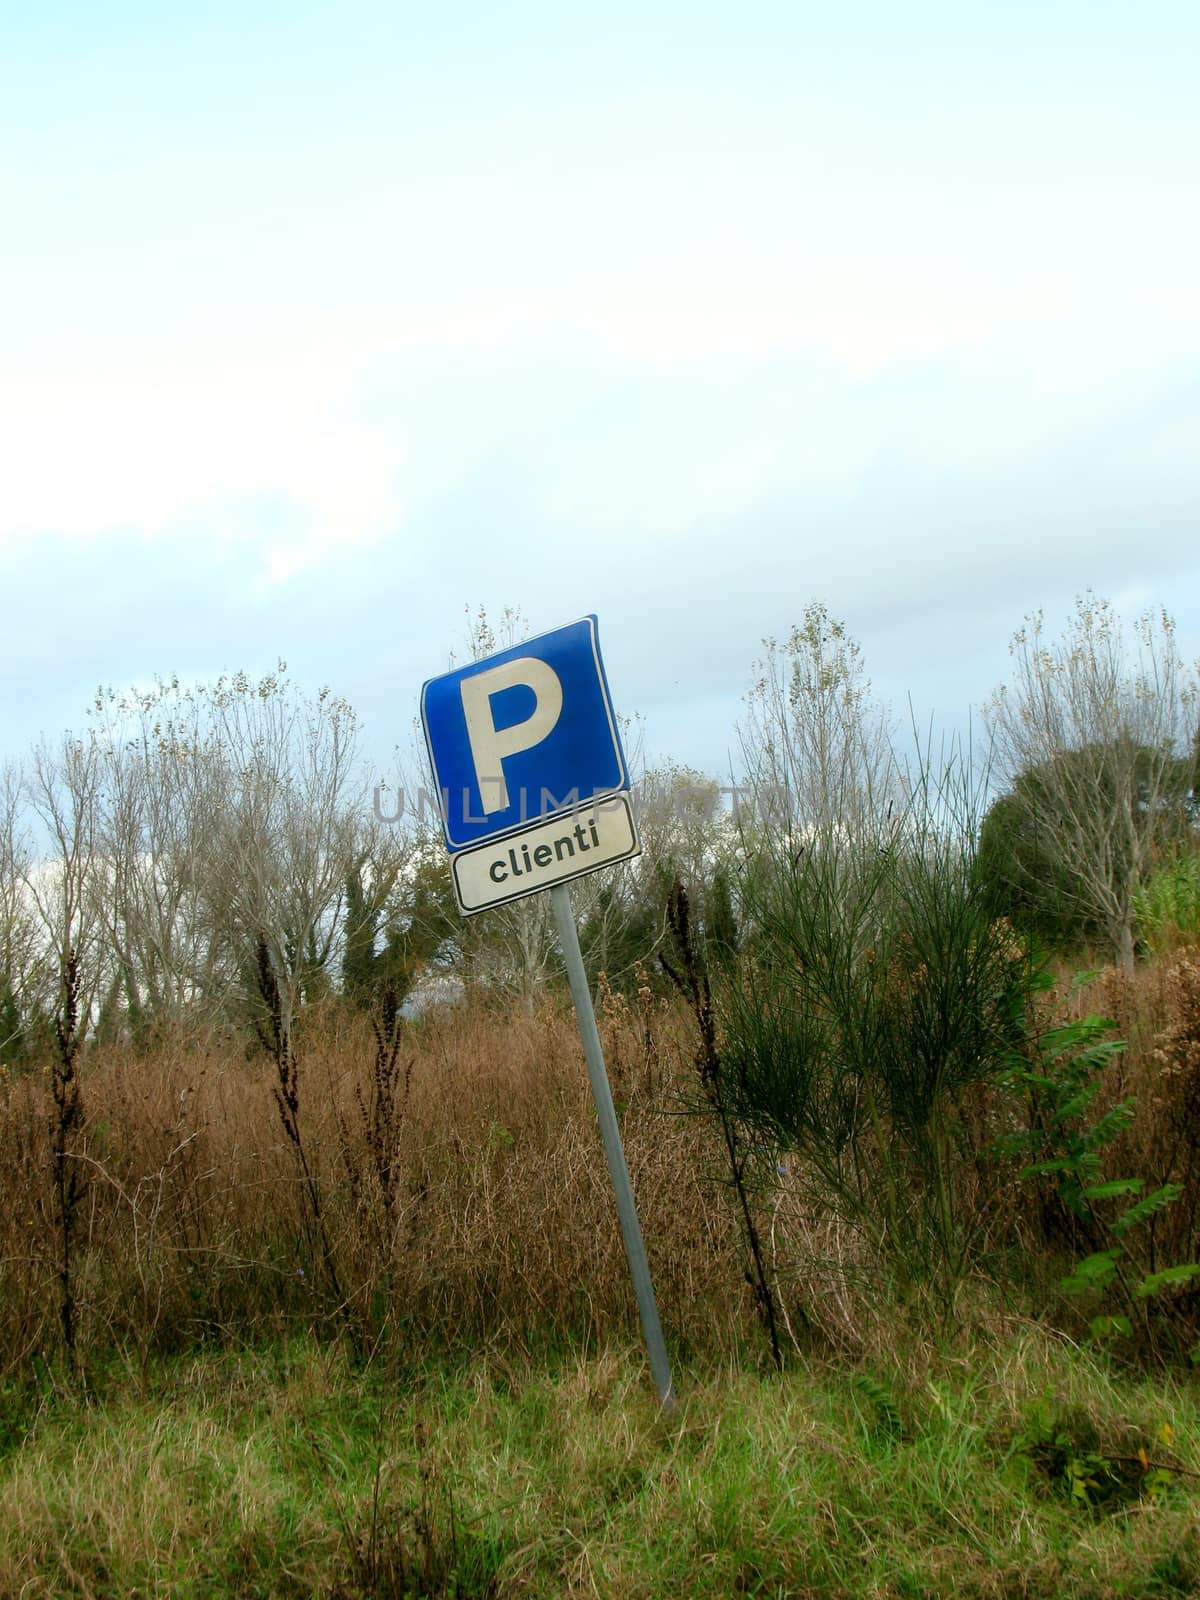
(489, 1220)
(501, 1223)
(1157, 1012)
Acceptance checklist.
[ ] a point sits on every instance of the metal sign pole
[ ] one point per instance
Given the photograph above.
(635, 1250)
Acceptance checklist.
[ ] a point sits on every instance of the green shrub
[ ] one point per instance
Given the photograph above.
(1168, 904)
(877, 993)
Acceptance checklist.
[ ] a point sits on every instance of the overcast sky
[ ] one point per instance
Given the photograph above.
(322, 323)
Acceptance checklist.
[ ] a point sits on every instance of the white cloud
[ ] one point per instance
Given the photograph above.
(258, 456)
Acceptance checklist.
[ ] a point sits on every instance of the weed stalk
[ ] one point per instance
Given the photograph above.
(69, 1184)
(287, 1099)
(691, 979)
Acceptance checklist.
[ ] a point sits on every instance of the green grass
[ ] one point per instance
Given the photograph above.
(989, 1469)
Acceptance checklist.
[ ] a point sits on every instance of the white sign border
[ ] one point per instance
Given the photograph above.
(566, 807)
(616, 800)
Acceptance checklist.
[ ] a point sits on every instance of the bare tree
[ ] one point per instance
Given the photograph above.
(20, 947)
(689, 837)
(63, 787)
(288, 828)
(229, 817)
(1094, 730)
(684, 823)
(164, 785)
(817, 743)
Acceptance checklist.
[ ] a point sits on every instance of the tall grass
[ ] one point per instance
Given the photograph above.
(465, 1199)
(482, 1212)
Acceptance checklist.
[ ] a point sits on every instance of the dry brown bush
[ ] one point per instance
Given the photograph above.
(1156, 1011)
(491, 1220)
(501, 1224)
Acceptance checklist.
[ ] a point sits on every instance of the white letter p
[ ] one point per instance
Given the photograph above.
(489, 744)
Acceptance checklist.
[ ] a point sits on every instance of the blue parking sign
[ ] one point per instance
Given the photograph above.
(523, 736)
(534, 793)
